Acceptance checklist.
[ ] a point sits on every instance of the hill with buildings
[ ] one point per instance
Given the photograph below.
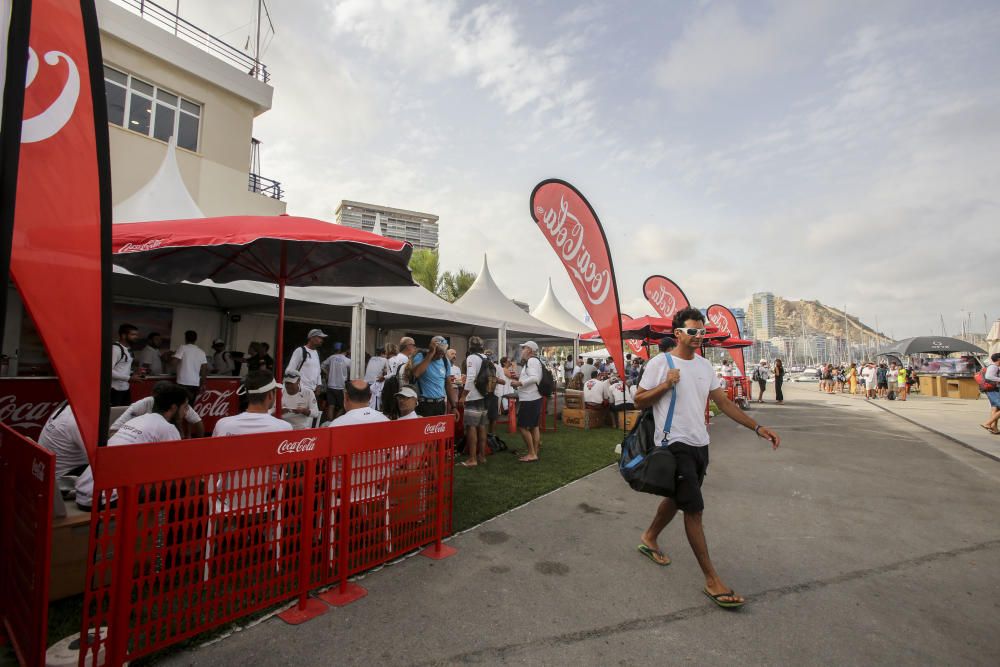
(812, 318)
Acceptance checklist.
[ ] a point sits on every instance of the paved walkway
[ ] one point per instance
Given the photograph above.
(953, 418)
(863, 540)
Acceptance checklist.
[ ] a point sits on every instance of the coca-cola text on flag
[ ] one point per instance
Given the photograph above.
(638, 349)
(725, 321)
(665, 296)
(571, 226)
(60, 254)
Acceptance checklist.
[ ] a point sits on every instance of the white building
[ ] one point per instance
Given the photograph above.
(418, 229)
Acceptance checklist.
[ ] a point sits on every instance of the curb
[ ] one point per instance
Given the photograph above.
(937, 432)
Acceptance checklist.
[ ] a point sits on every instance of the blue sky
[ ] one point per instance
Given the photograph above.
(834, 150)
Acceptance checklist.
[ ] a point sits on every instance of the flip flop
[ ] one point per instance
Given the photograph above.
(466, 464)
(987, 428)
(527, 460)
(721, 603)
(653, 555)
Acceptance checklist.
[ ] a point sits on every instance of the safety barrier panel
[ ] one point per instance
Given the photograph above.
(187, 536)
(27, 479)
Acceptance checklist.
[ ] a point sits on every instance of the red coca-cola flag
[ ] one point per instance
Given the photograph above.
(572, 228)
(665, 296)
(635, 346)
(723, 319)
(62, 213)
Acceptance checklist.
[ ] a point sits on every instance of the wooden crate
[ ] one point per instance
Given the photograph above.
(583, 418)
(573, 399)
(70, 535)
(630, 418)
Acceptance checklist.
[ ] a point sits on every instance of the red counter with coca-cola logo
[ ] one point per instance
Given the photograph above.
(26, 403)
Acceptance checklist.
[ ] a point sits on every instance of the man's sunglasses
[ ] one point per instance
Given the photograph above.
(691, 331)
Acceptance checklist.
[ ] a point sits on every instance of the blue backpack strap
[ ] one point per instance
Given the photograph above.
(673, 402)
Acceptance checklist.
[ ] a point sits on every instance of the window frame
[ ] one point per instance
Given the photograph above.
(155, 101)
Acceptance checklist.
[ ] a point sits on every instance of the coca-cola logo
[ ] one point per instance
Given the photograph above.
(38, 469)
(151, 244)
(215, 402)
(26, 415)
(431, 429)
(48, 123)
(721, 322)
(303, 445)
(663, 301)
(566, 234)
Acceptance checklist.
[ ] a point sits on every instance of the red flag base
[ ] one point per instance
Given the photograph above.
(299, 614)
(439, 552)
(340, 596)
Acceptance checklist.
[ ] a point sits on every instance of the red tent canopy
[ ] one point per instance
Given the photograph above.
(645, 327)
(728, 343)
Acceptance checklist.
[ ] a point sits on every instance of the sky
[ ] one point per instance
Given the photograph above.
(821, 149)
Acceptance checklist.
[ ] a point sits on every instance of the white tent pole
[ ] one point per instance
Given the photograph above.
(359, 326)
(502, 340)
(576, 348)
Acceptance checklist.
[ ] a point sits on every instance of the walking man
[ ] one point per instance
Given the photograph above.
(693, 380)
(992, 376)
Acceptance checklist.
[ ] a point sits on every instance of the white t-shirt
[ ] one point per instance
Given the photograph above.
(61, 436)
(375, 369)
(149, 356)
(338, 369)
(473, 363)
(359, 416)
(191, 358)
(249, 422)
(577, 370)
(151, 427)
(763, 372)
(143, 407)
(309, 370)
(531, 375)
(412, 415)
(617, 392)
(222, 363)
(505, 388)
(121, 366)
(698, 378)
(595, 391)
(396, 362)
(727, 371)
(303, 398)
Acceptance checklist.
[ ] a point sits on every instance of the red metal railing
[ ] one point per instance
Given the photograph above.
(27, 479)
(187, 536)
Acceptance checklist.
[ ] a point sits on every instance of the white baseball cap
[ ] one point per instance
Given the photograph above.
(407, 391)
(531, 344)
(292, 376)
(316, 332)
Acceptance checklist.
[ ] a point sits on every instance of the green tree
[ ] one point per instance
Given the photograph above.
(426, 269)
(454, 285)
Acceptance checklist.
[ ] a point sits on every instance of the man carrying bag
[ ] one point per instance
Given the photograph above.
(677, 388)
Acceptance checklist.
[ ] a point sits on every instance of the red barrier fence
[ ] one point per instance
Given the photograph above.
(27, 478)
(26, 402)
(194, 534)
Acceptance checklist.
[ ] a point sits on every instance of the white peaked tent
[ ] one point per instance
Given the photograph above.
(551, 311)
(486, 299)
(164, 197)
(993, 337)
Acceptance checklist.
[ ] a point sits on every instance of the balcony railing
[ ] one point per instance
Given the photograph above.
(266, 186)
(192, 34)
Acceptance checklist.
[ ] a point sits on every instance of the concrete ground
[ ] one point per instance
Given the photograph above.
(863, 540)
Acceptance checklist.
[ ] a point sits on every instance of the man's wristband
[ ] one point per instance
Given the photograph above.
(756, 430)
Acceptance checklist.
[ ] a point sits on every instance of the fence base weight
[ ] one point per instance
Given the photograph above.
(299, 614)
(340, 596)
(439, 552)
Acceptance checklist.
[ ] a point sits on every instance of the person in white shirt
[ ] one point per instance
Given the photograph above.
(689, 380)
(529, 401)
(121, 365)
(305, 360)
(169, 405)
(477, 415)
(261, 391)
(337, 368)
(61, 436)
(401, 356)
(578, 369)
(595, 393)
(494, 401)
(588, 369)
(377, 365)
(150, 356)
(761, 373)
(406, 399)
(192, 365)
(727, 368)
(298, 406)
(222, 361)
(618, 395)
(196, 429)
(357, 396)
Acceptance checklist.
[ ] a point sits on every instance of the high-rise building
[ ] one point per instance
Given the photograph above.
(763, 315)
(418, 229)
(741, 320)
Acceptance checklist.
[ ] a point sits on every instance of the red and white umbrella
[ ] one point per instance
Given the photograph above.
(285, 250)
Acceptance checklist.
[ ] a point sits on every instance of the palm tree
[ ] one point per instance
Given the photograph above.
(454, 285)
(425, 268)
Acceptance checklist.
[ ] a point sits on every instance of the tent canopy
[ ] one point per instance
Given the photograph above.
(164, 197)
(931, 345)
(552, 312)
(486, 297)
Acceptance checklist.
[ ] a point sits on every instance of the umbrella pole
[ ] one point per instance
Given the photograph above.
(280, 342)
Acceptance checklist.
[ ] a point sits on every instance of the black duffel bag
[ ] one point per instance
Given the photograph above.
(647, 464)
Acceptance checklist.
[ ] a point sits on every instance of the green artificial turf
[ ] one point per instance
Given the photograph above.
(504, 483)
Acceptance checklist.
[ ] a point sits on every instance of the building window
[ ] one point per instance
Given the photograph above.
(154, 112)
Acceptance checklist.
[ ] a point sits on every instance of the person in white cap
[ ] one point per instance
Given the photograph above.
(406, 399)
(305, 360)
(261, 391)
(473, 398)
(529, 401)
(761, 374)
(222, 361)
(298, 406)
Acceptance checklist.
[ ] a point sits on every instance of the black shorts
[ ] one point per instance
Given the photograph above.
(120, 397)
(619, 407)
(431, 408)
(336, 398)
(493, 407)
(692, 464)
(529, 413)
